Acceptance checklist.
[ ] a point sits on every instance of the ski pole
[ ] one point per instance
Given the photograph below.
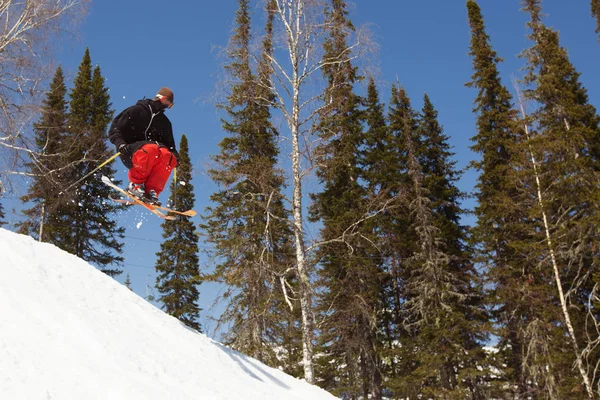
(94, 170)
(175, 187)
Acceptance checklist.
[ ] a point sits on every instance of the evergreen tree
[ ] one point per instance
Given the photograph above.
(439, 179)
(565, 143)
(595, 7)
(128, 282)
(89, 230)
(501, 223)
(444, 311)
(376, 156)
(45, 165)
(2, 215)
(380, 169)
(247, 225)
(350, 277)
(101, 114)
(385, 161)
(178, 263)
(399, 241)
(387, 149)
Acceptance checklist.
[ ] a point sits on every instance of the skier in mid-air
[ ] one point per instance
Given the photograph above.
(143, 135)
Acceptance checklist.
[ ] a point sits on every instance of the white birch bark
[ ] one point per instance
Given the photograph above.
(297, 83)
(28, 33)
(291, 75)
(557, 278)
(42, 219)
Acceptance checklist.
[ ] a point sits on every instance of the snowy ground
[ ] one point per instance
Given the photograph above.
(67, 331)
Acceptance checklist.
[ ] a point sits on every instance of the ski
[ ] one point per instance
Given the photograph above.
(153, 209)
(188, 213)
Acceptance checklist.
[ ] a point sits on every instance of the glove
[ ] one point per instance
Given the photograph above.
(126, 154)
(124, 150)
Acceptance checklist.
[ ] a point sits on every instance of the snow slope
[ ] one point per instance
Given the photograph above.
(67, 331)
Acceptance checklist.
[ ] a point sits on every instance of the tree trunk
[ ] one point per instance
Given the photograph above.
(297, 33)
(305, 287)
(557, 278)
(43, 214)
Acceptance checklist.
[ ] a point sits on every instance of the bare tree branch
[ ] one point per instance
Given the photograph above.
(29, 30)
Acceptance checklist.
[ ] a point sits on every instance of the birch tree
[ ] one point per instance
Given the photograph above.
(565, 152)
(579, 359)
(28, 34)
(247, 224)
(300, 28)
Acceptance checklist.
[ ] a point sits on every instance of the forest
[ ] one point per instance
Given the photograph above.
(395, 297)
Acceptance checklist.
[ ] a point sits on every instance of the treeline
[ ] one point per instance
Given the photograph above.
(395, 298)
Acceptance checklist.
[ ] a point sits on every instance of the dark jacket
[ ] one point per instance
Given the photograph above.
(143, 123)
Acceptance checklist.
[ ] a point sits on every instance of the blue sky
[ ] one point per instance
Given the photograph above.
(141, 46)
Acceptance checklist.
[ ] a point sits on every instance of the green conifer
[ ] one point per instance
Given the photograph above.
(440, 177)
(565, 142)
(385, 165)
(444, 310)
(248, 223)
(45, 164)
(378, 161)
(500, 212)
(177, 264)
(350, 301)
(89, 228)
(2, 216)
(128, 282)
(595, 7)
(376, 156)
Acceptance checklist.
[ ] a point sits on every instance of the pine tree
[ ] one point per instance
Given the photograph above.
(595, 7)
(248, 223)
(444, 311)
(177, 264)
(440, 177)
(385, 161)
(501, 223)
(45, 165)
(350, 300)
(376, 155)
(89, 232)
(2, 215)
(565, 144)
(128, 282)
(101, 114)
(427, 281)
(379, 164)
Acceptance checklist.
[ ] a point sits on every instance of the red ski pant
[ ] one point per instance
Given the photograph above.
(152, 166)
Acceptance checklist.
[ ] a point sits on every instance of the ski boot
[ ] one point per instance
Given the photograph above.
(137, 190)
(152, 198)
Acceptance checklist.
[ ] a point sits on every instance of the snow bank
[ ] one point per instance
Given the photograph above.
(67, 331)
